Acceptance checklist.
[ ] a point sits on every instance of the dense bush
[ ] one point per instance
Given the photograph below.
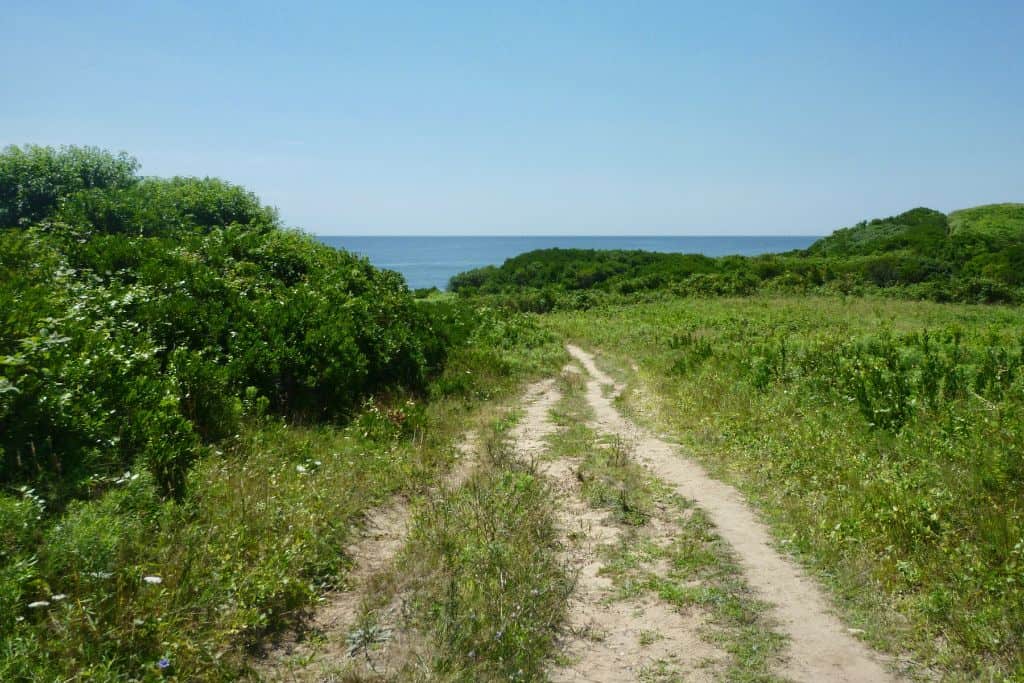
(138, 312)
(35, 180)
(155, 206)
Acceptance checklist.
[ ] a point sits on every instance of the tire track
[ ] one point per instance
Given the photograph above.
(821, 648)
(604, 639)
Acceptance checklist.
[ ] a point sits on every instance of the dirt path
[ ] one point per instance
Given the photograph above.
(323, 647)
(821, 648)
(607, 640)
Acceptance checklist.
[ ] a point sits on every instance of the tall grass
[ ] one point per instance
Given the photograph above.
(492, 589)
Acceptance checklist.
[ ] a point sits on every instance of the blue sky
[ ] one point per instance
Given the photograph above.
(540, 118)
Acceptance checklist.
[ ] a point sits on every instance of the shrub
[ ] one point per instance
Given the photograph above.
(35, 180)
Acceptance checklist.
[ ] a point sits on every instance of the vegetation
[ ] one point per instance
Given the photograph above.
(492, 589)
(975, 255)
(882, 440)
(196, 408)
(140, 313)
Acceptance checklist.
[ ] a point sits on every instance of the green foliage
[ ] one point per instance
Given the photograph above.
(921, 231)
(157, 338)
(976, 255)
(35, 180)
(137, 311)
(253, 542)
(993, 221)
(84, 391)
(990, 240)
(581, 269)
(154, 206)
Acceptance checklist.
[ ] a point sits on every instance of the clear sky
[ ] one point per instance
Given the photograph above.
(539, 117)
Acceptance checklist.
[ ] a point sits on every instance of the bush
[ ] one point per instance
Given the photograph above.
(155, 206)
(35, 180)
(139, 311)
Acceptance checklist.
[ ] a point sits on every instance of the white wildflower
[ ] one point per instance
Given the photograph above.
(153, 580)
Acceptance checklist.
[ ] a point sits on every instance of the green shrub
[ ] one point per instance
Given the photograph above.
(139, 311)
(35, 180)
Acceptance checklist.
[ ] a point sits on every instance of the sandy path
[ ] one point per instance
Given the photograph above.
(821, 648)
(372, 553)
(607, 640)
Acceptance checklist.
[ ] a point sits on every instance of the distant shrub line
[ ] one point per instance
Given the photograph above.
(974, 256)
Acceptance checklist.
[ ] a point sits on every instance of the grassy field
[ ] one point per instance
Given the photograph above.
(882, 440)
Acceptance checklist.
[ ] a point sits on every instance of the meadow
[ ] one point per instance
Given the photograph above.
(881, 439)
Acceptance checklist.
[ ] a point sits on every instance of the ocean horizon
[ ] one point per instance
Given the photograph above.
(430, 261)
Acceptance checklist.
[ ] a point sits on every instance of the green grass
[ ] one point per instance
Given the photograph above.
(250, 548)
(490, 587)
(886, 458)
(1002, 221)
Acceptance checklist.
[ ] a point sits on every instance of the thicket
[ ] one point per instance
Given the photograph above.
(140, 314)
(975, 255)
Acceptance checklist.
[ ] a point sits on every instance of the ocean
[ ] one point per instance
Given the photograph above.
(431, 261)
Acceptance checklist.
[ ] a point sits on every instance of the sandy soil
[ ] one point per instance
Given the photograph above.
(606, 639)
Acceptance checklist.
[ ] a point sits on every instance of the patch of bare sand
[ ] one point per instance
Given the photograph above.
(821, 648)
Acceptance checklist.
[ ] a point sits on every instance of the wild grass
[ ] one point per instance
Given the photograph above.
(881, 440)
(251, 548)
(491, 588)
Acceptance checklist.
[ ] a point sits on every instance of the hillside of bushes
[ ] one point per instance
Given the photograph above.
(974, 255)
(142, 316)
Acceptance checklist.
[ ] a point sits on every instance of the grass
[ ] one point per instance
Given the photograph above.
(1003, 221)
(247, 553)
(493, 588)
(881, 440)
(245, 557)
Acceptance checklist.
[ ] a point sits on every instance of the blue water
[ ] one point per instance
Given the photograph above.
(431, 261)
